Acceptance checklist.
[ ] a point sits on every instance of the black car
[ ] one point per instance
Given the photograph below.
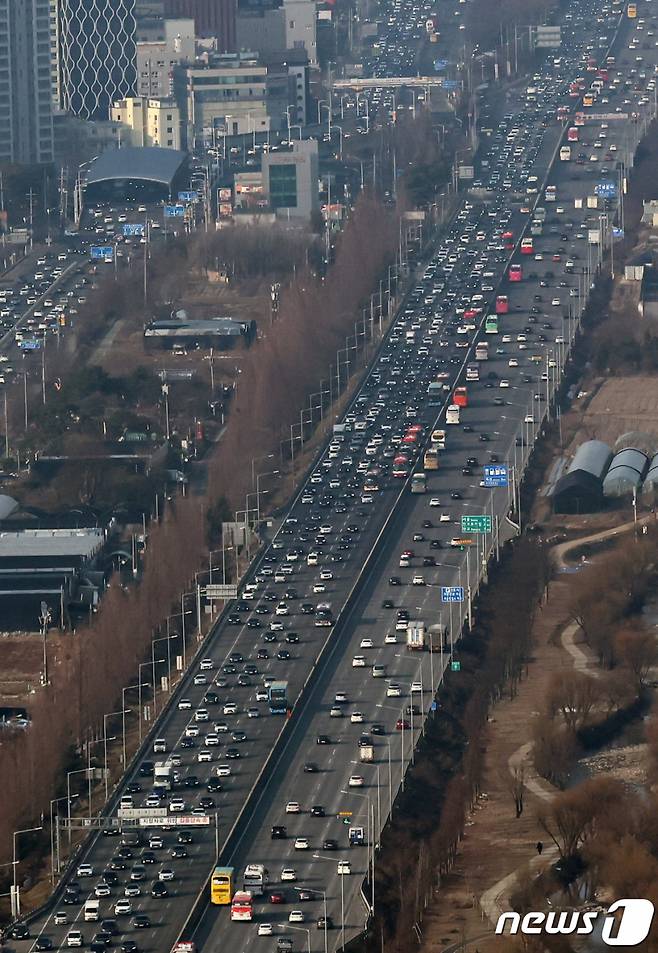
(191, 781)
(455, 495)
(317, 811)
(435, 544)
(484, 437)
(211, 698)
(134, 787)
(232, 753)
(184, 837)
(129, 946)
(20, 931)
(148, 857)
(43, 943)
(325, 923)
(269, 637)
(146, 770)
(292, 638)
(178, 851)
(307, 608)
(329, 844)
(388, 604)
(323, 740)
(188, 743)
(254, 624)
(310, 767)
(110, 926)
(159, 889)
(141, 921)
(207, 803)
(213, 786)
(394, 581)
(262, 654)
(283, 655)
(234, 619)
(377, 729)
(279, 832)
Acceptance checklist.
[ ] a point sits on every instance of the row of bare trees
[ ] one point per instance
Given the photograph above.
(422, 842)
(101, 658)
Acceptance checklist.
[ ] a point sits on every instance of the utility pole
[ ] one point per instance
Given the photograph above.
(6, 429)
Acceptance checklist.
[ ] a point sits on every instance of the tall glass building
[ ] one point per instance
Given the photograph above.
(26, 123)
(96, 54)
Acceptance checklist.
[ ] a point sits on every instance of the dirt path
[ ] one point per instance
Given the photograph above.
(474, 894)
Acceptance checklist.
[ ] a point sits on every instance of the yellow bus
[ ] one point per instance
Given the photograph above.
(632, 11)
(431, 459)
(221, 885)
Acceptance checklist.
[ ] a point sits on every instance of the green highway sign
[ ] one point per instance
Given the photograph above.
(455, 666)
(476, 524)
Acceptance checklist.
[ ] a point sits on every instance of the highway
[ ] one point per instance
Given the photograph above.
(338, 516)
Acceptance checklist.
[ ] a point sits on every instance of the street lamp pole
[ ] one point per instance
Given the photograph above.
(123, 718)
(105, 717)
(16, 906)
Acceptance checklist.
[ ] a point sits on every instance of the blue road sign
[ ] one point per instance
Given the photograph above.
(174, 211)
(452, 593)
(98, 252)
(433, 706)
(606, 189)
(496, 475)
(440, 64)
(450, 84)
(30, 345)
(136, 228)
(187, 196)
(617, 232)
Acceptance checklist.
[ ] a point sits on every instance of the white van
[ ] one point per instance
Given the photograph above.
(92, 910)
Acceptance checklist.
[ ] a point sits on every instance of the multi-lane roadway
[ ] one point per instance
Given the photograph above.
(219, 721)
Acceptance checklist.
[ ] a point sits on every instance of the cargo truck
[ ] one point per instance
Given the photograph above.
(366, 753)
(162, 775)
(416, 636)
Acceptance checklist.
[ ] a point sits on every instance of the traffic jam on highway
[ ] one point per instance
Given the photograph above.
(462, 381)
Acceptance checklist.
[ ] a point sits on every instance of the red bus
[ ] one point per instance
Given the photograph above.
(242, 907)
(526, 246)
(508, 240)
(502, 304)
(579, 119)
(562, 113)
(572, 134)
(574, 90)
(515, 273)
(460, 397)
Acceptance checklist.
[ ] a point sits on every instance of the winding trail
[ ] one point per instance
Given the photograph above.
(495, 900)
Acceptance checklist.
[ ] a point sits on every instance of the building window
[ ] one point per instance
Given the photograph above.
(283, 186)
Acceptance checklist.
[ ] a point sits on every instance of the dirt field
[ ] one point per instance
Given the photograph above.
(614, 406)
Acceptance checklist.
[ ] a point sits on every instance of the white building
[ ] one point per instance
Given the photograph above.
(161, 46)
(148, 122)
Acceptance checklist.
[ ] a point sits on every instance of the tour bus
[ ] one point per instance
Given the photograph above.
(508, 240)
(418, 482)
(431, 459)
(452, 414)
(482, 351)
(221, 885)
(502, 304)
(588, 100)
(572, 134)
(460, 397)
(527, 246)
(473, 372)
(491, 324)
(631, 11)
(515, 273)
(579, 119)
(565, 153)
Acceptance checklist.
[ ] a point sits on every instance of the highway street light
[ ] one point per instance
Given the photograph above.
(15, 900)
(370, 840)
(332, 860)
(55, 867)
(128, 688)
(323, 893)
(289, 926)
(110, 714)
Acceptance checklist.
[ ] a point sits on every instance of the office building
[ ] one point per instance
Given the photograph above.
(96, 55)
(290, 180)
(161, 46)
(211, 18)
(147, 122)
(26, 123)
(292, 26)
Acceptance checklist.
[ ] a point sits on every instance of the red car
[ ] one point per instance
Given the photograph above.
(277, 897)
(401, 724)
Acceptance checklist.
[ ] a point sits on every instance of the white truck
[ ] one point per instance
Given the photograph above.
(162, 775)
(416, 635)
(366, 753)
